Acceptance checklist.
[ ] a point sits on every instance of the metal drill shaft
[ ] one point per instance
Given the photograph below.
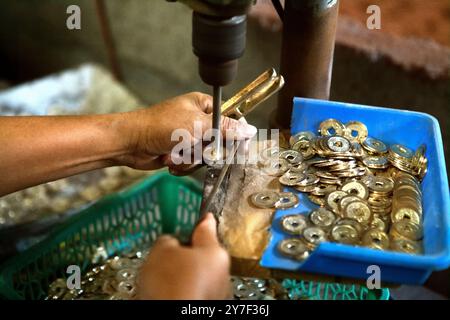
(217, 102)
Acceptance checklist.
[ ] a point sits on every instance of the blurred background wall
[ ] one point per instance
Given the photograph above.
(153, 41)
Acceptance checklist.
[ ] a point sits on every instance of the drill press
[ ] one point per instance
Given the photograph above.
(218, 40)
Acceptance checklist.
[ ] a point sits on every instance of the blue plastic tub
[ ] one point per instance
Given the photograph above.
(392, 126)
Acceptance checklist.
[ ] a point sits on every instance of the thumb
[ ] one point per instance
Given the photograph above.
(166, 241)
(205, 234)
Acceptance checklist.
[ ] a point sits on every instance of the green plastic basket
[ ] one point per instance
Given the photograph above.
(120, 222)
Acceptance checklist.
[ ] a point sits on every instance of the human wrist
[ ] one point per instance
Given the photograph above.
(120, 132)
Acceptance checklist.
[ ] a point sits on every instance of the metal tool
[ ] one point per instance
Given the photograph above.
(206, 203)
(256, 92)
(246, 100)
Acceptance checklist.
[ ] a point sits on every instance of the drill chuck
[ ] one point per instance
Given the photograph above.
(218, 42)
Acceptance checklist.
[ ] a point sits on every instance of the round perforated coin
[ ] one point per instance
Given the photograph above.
(338, 144)
(292, 156)
(375, 239)
(313, 236)
(331, 127)
(355, 131)
(294, 223)
(344, 234)
(357, 189)
(265, 199)
(333, 198)
(406, 246)
(322, 218)
(358, 210)
(286, 200)
(293, 248)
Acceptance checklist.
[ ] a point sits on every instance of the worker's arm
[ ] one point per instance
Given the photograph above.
(34, 150)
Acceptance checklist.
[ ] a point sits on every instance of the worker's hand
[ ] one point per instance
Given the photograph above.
(150, 130)
(201, 271)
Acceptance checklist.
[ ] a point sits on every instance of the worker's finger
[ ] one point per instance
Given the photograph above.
(205, 234)
(203, 101)
(166, 241)
(231, 129)
(238, 130)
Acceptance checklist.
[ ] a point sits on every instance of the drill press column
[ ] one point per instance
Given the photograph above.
(306, 55)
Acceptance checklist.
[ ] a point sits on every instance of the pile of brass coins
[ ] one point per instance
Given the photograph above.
(114, 279)
(254, 289)
(368, 193)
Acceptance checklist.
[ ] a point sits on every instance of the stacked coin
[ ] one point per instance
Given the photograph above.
(406, 215)
(365, 184)
(400, 157)
(115, 279)
(380, 193)
(251, 289)
(306, 232)
(419, 162)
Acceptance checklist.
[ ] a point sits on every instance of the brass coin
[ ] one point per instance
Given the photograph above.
(338, 144)
(331, 127)
(375, 239)
(355, 131)
(378, 223)
(269, 153)
(310, 179)
(402, 151)
(351, 222)
(294, 223)
(301, 136)
(265, 199)
(357, 189)
(275, 167)
(313, 236)
(406, 214)
(358, 210)
(293, 248)
(406, 246)
(333, 198)
(286, 200)
(322, 218)
(320, 201)
(291, 156)
(381, 184)
(323, 189)
(345, 234)
(346, 200)
(300, 168)
(373, 145)
(376, 162)
(291, 179)
(406, 229)
(307, 189)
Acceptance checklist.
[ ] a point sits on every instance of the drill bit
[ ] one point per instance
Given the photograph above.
(217, 102)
